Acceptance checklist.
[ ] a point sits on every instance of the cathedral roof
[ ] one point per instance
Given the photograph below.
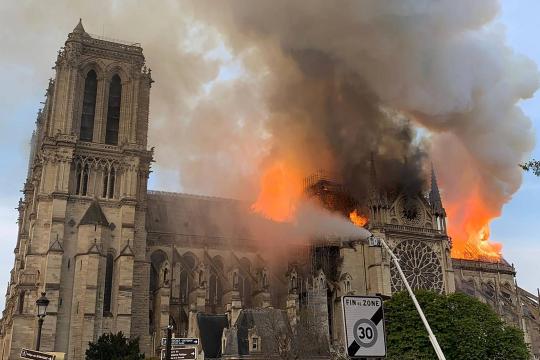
(260, 320)
(94, 215)
(197, 216)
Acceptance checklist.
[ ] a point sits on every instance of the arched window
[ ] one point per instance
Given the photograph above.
(20, 308)
(188, 266)
(82, 179)
(244, 281)
(113, 111)
(111, 183)
(109, 177)
(105, 182)
(89, 107)
(107, 297)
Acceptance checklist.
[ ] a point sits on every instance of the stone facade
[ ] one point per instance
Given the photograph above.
(82, 200)
(113, 256)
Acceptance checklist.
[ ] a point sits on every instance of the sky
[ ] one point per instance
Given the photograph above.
(24, 79)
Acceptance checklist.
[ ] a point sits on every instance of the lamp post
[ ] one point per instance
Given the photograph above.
(168, 343)
(41, 304)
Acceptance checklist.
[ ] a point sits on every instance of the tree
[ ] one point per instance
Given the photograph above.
(465, 328)
(114, 347)
(305, 340)
(532, 165)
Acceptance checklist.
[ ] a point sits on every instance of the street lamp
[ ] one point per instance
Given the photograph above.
(168, 343)
(41, 304)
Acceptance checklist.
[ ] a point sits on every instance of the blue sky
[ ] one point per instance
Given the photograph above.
(516, 228)
(23, 84)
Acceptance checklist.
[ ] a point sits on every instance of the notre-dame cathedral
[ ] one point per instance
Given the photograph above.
(112, 256)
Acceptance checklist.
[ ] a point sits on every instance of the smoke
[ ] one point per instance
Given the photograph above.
(350, 77)
(316, 84)
(277, 240)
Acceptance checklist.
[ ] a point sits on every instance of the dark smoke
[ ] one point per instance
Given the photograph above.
(351, 120)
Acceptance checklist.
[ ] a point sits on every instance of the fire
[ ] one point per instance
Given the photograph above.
(281, 190)
(468, 225)
(358, 219)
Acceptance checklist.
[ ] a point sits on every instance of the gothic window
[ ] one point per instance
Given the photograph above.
(20, 307)
(184, 286)
(215, 288)
(108, 285)
(109, 178)
(185, 281)
(244, 283)
(113, 111)
(89, 107)
(112, 183)
(420, 264)
(81, 174)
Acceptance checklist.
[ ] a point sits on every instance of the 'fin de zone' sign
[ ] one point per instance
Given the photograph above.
(363, 319)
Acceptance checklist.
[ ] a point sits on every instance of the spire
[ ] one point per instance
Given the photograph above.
(94, 215)
(434, 195)
(375, 196)
(79, 29)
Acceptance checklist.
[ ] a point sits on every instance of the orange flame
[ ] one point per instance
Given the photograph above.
(281, 190)
(468, 225)
(358, 219)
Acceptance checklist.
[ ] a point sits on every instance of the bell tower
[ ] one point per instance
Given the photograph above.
(82, 219)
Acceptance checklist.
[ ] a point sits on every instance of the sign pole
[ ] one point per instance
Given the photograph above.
(168, 344)
(432, 337)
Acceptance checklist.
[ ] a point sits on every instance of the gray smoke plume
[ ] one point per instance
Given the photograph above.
(322, 84)
(344, 78)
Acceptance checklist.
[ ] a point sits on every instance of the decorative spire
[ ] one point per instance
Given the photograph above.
(79, 29)
(375, 197)
(435, 196)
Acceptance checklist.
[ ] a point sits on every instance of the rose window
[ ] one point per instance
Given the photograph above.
(420, 264)
(410, 211)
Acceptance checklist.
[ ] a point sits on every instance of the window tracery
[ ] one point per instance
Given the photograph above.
(89, 107)
(420, 264)
(113, 111)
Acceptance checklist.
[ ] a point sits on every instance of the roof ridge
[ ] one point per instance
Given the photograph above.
(187, 195)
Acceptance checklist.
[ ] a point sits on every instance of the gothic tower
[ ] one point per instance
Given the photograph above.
(82, 219)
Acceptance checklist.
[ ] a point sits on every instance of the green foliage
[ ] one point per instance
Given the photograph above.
(114, 347)
(465, 328)
(532, 165)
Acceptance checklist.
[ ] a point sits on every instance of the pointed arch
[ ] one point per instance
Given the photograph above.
(113, 111)
(86, 132)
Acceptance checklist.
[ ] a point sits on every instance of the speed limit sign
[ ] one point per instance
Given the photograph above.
(363, 319)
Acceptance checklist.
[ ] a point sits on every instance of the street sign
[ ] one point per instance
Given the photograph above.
(181, 341)
(363, 320)
(181, 354)
(36, 355)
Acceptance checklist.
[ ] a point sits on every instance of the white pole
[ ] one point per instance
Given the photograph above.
(432, 337)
